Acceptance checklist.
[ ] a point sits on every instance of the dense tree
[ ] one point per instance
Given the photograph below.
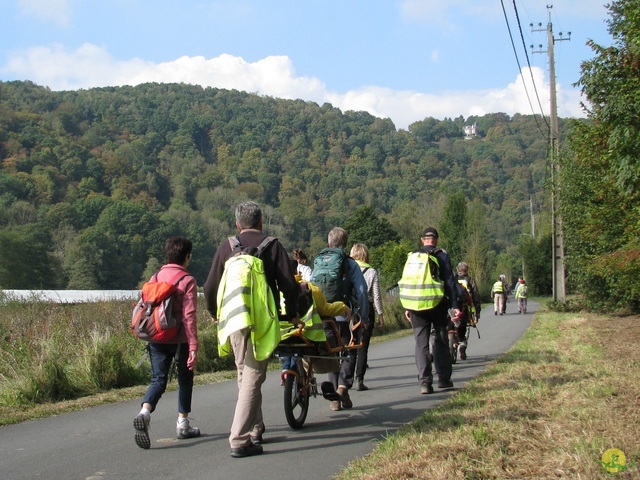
(107, 173)
(364, 226)
(453, 226)
(601, 176)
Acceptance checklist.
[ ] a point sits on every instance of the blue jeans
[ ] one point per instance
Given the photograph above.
(161, 356)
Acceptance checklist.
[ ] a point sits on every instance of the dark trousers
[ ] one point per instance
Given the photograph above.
(422, 323)
(344, 376)
(161, 356)
(365, 338)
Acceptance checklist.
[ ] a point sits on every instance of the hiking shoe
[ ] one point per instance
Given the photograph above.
(462, 350)
(246, 451)
(361, 387)
(495, 313)
(426, 389)
(335, 406)
(329, 391)
(445, 384)
(344, 397)
(141, 424)
(186, 431)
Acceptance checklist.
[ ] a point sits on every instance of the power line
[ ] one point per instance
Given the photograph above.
(528, 62)
(520, 67)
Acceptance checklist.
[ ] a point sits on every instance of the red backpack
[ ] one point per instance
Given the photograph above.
(152, 319)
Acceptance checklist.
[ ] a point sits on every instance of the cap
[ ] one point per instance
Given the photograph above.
(430, 232)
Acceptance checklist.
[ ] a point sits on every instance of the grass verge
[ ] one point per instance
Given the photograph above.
(549, 408)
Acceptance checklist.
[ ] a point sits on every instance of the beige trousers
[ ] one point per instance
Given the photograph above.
(247, 419)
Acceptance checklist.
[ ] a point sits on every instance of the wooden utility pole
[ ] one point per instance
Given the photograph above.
(559, 291)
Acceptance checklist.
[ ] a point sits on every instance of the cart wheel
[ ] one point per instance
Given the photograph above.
(296, 400)
(453, 347)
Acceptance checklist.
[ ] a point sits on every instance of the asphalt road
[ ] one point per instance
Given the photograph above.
(98, 443)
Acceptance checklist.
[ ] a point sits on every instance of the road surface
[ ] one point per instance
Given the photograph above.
(98, 443)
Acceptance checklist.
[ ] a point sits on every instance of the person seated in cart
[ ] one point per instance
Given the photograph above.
(312, 308)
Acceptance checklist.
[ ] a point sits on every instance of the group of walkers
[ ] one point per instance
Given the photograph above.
(500, 294)
(248, 331)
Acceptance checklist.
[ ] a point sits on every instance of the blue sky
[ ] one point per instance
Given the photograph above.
(399, 59)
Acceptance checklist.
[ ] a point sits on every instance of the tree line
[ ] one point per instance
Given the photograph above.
(93, 181)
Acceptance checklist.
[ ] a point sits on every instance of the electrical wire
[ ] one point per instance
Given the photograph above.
(515, 9)
(513, 46)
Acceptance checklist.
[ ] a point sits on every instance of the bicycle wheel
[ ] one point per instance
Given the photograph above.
(453, 347)
(296, 400)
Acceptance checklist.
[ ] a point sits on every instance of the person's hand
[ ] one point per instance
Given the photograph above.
(457, 313)
(213, 319)
(193, 358)
(296, 321)
(381, 320)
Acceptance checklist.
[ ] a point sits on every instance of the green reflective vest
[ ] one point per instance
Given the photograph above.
(245, 300)
(313, 329)
(498, 287)
(419, 288)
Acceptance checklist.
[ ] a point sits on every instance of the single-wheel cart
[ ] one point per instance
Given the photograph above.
(310, 358)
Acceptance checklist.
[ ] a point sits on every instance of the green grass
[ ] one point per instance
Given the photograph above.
(549, 408)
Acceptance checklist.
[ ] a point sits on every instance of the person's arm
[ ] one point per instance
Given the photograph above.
(360, 288)
(286, 281)
(213, 279)
(305, 272)
(189, 317)
(377, 297)
(324, 308)
(450, 279)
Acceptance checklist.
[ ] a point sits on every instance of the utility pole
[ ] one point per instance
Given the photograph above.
(559, 293)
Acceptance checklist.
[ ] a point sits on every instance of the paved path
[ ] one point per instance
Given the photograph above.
(98, 443)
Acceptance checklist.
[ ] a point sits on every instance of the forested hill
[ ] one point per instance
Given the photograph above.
(92, 181)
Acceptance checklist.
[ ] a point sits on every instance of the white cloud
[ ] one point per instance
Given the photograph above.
(92, 66)
(56, 11)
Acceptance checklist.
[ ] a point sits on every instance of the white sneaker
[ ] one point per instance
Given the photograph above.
(141, 423)
(184, 430)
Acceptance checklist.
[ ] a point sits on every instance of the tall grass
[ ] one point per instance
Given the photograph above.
(51, 352)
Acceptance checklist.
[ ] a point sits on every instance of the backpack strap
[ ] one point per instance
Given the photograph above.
(264, 244)
(179, 276)
(175, 280)
(234, 243)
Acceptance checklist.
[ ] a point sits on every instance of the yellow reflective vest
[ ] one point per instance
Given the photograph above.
(498, 287)
(245, 300)
(419, 288)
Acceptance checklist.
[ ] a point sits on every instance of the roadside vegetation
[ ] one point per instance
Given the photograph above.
(60, 357)
(550, 408)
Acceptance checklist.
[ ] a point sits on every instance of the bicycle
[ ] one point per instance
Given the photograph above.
(300, 383)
